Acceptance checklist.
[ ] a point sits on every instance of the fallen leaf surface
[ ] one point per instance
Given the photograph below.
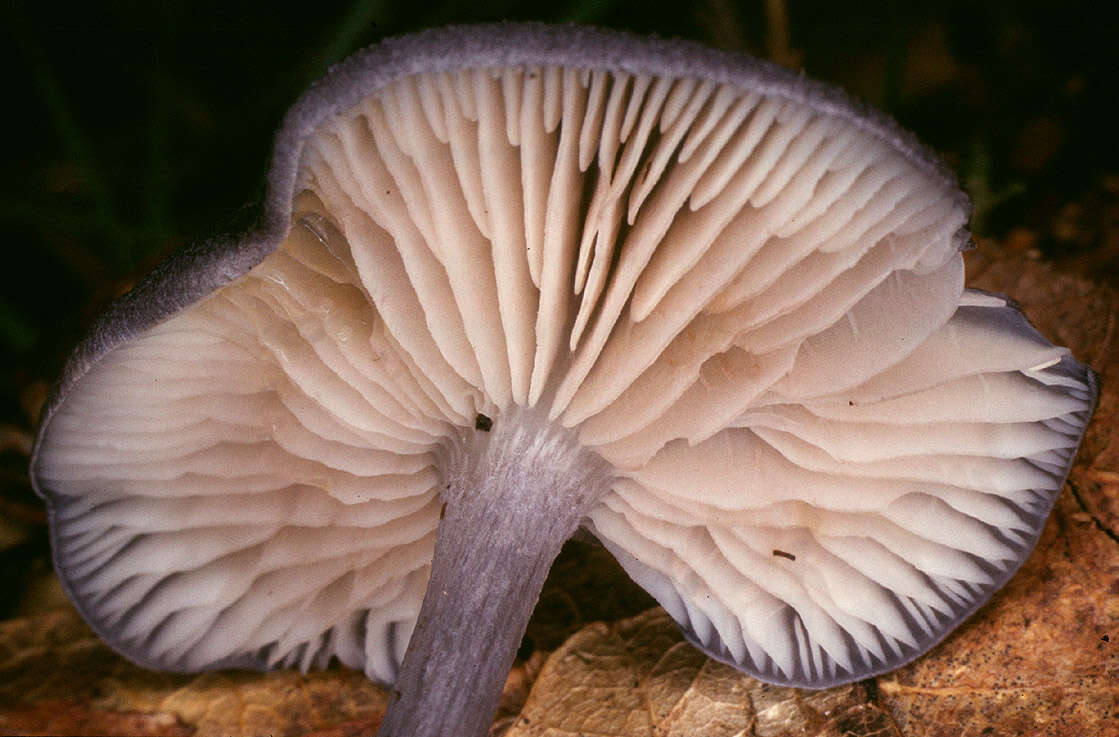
(640, 678)
(57, 677)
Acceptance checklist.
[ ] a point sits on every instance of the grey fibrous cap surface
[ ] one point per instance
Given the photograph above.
(735, 286)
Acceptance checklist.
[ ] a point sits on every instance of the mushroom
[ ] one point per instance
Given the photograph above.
(510, 281)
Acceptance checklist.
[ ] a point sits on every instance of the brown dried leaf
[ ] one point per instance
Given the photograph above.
(639, 678)
(57, 677)
(1034, 661)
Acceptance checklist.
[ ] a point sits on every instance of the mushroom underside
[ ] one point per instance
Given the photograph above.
(738, 314)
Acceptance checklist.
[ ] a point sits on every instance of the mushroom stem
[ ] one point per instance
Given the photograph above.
(513, 496)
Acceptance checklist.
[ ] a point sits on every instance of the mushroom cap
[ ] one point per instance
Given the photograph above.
(736, 286)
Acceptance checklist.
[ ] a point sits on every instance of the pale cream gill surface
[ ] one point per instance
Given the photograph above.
(742, 303)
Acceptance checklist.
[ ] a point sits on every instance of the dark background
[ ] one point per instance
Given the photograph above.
(134, 127)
